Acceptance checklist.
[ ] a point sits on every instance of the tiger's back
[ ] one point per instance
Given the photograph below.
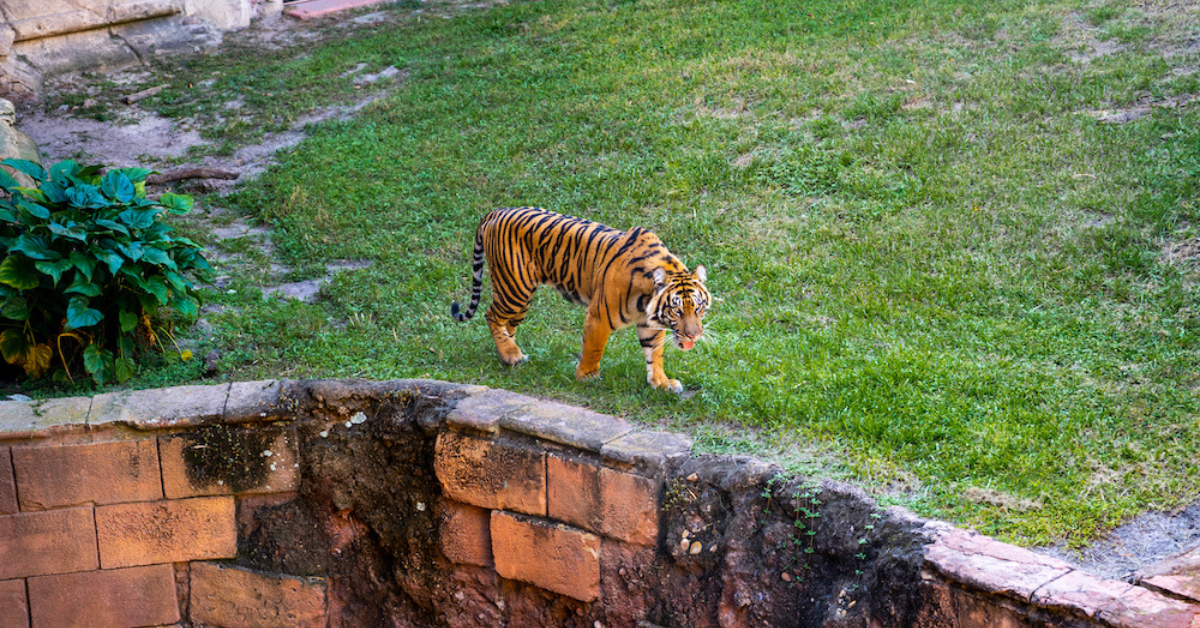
(621, 276)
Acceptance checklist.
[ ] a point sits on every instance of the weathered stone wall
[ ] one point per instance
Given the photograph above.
(41, 38)
(418, 503)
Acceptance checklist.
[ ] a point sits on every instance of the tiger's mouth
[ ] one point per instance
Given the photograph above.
(684, 342)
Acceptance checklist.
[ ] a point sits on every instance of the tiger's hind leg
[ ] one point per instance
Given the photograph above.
(652, 341)
(504, 330)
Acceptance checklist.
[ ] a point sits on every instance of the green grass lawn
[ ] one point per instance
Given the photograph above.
(936, 268)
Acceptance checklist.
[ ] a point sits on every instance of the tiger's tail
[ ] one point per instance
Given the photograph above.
(476, 284)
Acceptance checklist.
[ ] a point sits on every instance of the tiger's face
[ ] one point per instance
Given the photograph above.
(678, 305)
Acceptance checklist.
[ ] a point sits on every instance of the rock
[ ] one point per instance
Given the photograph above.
(15, 144)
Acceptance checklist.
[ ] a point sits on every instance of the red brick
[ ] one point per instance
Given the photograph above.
(166, 531)
(226, 461)
(465, 534)
(630, 507)
(117, 598)
(548, 555)
(49, 542)
(491, 474)
(14, 609)
(233, 597)
(8, 484)
(619, 505)
(573, 492)
(102, 473)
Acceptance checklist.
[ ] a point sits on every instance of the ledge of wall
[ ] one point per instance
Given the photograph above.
(423, 503)
(42, 38)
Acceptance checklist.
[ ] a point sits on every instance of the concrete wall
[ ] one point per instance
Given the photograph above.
(419, 503)
(42, 38)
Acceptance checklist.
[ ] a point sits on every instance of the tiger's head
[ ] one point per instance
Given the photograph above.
(678, 305)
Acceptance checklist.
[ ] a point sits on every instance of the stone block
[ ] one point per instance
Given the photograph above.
(573, 492)
(629, 506)
(14, 608)
(8, 484)
(546, 554)
(1185, 587)
(567, 425)
(620, 505)
(47, 542)
(53, 476)
(482, 412)
(170, 531)
(24, 419)
(1115, 603)
(257, 401)
(991, 566)
(465, 533)
(181, 406)
(117, 598)
(649, 451)
(493, 474)
(222, 460)
(234, 597)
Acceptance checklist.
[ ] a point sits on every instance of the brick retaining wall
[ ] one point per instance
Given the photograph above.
(138, 509)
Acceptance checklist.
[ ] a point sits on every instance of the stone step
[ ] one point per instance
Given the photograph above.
(1177, 576)
(308, 9)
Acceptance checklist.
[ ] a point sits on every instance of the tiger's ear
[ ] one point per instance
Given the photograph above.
(700, 274)
(660, 278)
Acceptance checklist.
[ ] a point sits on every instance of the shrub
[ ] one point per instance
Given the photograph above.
(86, 264)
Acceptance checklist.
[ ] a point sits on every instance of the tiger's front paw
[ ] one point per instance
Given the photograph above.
(672, 385)
(584, 375)
(514, 360)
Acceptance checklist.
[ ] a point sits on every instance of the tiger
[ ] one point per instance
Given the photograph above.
(623, 278)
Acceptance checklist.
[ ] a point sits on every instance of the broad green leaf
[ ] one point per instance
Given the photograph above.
(31, 169)
(34, 209)
(55, 269)
(64, 169)
(176, 203)
(15, 308)
(157, 287)
(86, 196)
(177, 282)
(75, 232)
(33, 193)
(132, 251)
(138, 219)
(112, 224)
(98, 362)
(123, 368)
(7, 181)
(85, 264)
(18, 272)
(7, 215)
(89, 172)
(113, 260)
(35, 247)
(53, 191)
(136, 175)
(129, 321)
(186, 306)
(117, 186)
(157, 256)
(80, 315)
(83, 285)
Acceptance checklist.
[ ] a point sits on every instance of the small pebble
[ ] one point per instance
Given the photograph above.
(696, 547)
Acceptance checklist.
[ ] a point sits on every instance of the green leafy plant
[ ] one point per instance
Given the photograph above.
(86, 263)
